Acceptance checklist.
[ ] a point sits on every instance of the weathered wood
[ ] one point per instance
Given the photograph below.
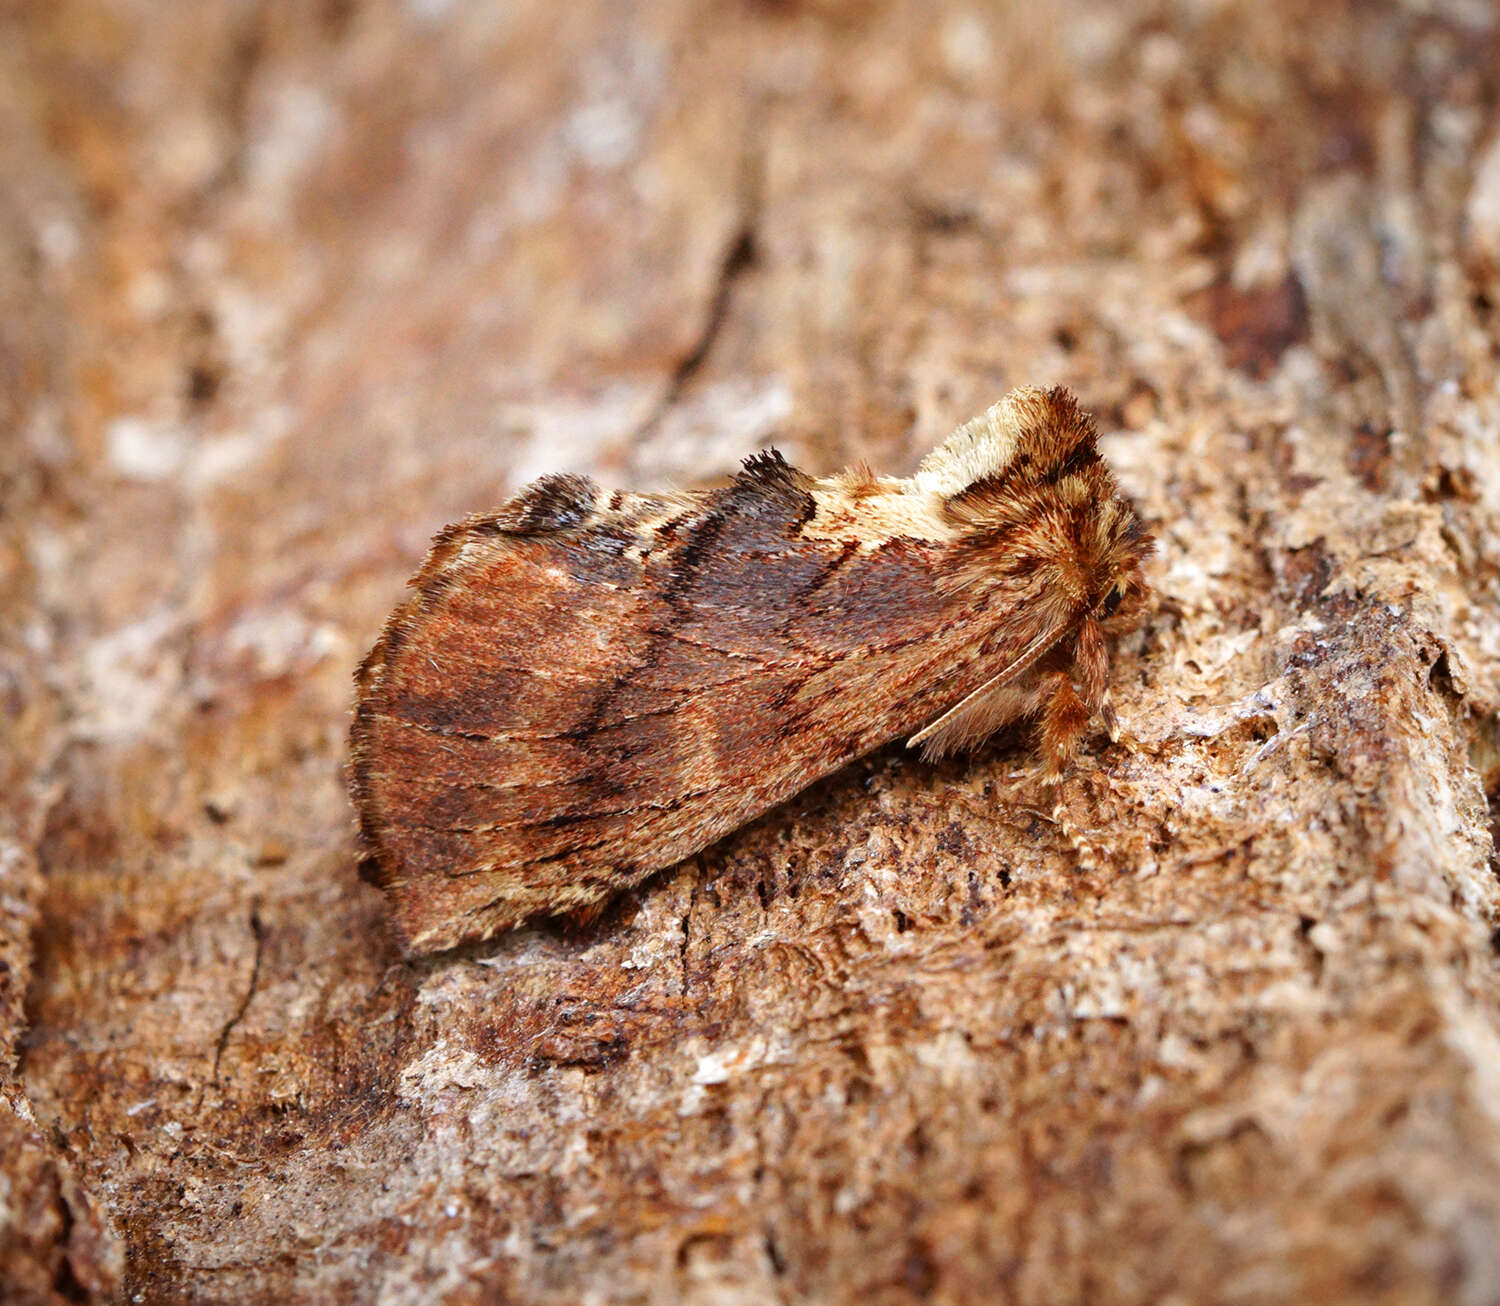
(283, 288)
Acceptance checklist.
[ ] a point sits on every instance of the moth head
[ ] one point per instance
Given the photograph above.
(1113, 544)
(1026, 486)
(1124, 584)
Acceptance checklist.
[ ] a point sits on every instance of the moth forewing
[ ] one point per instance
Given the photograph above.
(587, 687)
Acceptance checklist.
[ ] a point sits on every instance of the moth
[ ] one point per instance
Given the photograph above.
(588, 686)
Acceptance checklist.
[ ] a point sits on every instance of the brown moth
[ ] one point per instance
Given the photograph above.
(587, 686)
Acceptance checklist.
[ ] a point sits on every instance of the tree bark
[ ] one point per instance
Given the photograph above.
(285, 287)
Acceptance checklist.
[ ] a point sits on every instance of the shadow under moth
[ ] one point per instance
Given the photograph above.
(589, 686)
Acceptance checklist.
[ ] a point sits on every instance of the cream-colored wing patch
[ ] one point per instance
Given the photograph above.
(892, 511)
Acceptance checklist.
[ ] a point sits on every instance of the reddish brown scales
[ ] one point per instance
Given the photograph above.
(588, 687)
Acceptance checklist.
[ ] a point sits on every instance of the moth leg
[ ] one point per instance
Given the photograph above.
(1065, 717)
(1118, 733)
(1111, 720)
(1091, 665)
(1091, 671)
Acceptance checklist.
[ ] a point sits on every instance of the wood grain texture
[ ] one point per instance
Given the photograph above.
(284, 285)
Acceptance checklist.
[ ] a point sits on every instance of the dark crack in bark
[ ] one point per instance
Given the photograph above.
(258, 929)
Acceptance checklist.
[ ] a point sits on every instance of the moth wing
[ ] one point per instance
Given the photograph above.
(587, 688)
(478, 704)
(583, 690)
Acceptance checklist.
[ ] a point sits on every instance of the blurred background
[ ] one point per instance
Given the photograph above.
(284, 287)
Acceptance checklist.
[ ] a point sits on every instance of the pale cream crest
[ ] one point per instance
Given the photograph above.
(979, 448)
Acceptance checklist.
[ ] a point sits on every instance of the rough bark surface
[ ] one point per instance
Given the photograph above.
(284, 287)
